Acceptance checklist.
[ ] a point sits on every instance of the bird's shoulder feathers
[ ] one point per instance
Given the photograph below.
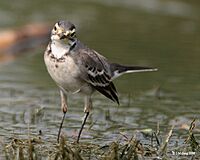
(96, 71)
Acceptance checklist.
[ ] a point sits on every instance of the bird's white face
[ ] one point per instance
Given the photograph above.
(63, 31)
(63, 38)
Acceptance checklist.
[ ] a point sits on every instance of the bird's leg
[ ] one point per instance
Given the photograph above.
(64, 109)
(87, 109)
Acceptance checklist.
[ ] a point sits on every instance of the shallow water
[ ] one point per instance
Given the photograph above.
(162, 34)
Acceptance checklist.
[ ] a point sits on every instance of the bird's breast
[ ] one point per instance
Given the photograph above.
(64, 72)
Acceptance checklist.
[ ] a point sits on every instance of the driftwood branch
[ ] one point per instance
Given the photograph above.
(14, 42)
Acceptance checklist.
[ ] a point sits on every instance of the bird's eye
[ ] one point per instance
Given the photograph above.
(55, 28)
(71, 28)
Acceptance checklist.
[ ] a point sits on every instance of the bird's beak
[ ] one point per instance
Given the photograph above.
(64, 35)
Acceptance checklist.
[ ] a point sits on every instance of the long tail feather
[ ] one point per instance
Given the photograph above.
(119, 70)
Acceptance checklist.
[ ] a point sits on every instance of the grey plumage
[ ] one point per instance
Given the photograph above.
(76, 68)
(95, 70)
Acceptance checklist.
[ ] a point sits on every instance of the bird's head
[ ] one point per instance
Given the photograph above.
(63, 30)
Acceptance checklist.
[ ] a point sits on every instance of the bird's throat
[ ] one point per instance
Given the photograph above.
(62, 47)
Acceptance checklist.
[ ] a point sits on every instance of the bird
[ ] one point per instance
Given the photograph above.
(76, 68)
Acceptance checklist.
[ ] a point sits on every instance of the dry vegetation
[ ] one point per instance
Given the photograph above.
(130, 148)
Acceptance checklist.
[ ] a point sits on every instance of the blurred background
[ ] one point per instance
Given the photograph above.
(158, 33)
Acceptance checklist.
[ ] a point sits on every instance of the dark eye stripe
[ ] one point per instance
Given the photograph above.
(71, 28)
(59, 23)
(72, 34)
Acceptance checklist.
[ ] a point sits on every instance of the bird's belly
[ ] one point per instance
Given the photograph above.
(65, 73)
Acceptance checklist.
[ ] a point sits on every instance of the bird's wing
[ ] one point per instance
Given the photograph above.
(96, 71)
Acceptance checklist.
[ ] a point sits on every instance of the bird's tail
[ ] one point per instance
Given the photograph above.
(118, 70)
